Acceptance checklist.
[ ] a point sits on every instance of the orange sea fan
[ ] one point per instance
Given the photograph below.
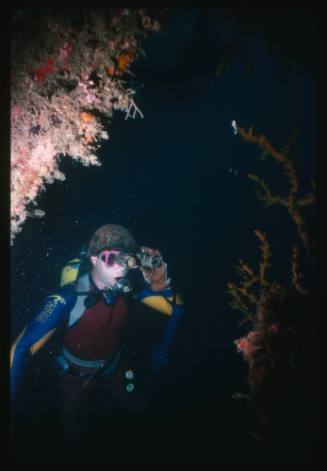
(124, 60)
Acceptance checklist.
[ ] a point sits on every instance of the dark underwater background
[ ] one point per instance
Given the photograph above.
(177, 180)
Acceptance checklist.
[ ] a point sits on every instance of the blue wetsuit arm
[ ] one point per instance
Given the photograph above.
(173, 323)
(52, 314)
(160, 357)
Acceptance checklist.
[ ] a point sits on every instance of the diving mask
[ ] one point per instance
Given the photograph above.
(116, 257)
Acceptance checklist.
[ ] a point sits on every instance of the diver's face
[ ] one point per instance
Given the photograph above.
(105, 275)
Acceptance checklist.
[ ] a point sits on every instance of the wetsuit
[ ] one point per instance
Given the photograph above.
(94, 335)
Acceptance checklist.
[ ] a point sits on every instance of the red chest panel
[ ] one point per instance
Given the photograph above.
(99, 331)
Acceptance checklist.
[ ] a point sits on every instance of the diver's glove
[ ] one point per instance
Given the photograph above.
(154, 269)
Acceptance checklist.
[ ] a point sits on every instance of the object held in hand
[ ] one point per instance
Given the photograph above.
(153, 268)
(149, 261)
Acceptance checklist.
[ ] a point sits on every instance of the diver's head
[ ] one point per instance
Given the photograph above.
(111, 252)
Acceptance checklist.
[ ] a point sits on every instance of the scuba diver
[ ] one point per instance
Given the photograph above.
(92, 307)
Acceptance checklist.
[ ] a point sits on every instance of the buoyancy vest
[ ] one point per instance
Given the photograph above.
(96, 332)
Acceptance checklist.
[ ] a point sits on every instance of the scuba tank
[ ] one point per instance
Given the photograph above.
(70, 272)
(71, 269)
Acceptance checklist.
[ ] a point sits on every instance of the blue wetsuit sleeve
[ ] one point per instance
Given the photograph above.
(160, 356)
(52, 314)
(173, 322)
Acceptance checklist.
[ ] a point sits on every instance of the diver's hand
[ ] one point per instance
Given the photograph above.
(156, 276)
